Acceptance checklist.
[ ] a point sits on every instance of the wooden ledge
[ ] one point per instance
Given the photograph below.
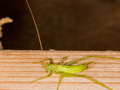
(17, 70)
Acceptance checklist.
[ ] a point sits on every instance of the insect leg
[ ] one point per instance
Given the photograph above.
(75, 61)
(42, 77)
(44, 60)
(64, 58)
(91, 63)
(75, 75)
(59, 82)
(102, 57)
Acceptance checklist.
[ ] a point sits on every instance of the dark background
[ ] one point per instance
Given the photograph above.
(63, 24)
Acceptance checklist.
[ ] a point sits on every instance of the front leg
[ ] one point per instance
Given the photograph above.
(44, 60)
(42, 77)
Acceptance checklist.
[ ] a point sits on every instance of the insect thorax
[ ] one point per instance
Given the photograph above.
(51, 67)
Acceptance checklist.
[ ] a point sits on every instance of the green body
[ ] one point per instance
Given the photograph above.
(67, 69)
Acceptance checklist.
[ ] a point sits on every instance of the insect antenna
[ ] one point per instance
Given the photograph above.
(40, 42)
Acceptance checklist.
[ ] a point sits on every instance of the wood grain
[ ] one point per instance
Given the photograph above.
(17, 70)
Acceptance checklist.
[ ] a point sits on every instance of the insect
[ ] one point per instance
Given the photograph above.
(67, 69)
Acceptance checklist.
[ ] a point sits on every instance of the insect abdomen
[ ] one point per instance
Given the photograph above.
(71, 69)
